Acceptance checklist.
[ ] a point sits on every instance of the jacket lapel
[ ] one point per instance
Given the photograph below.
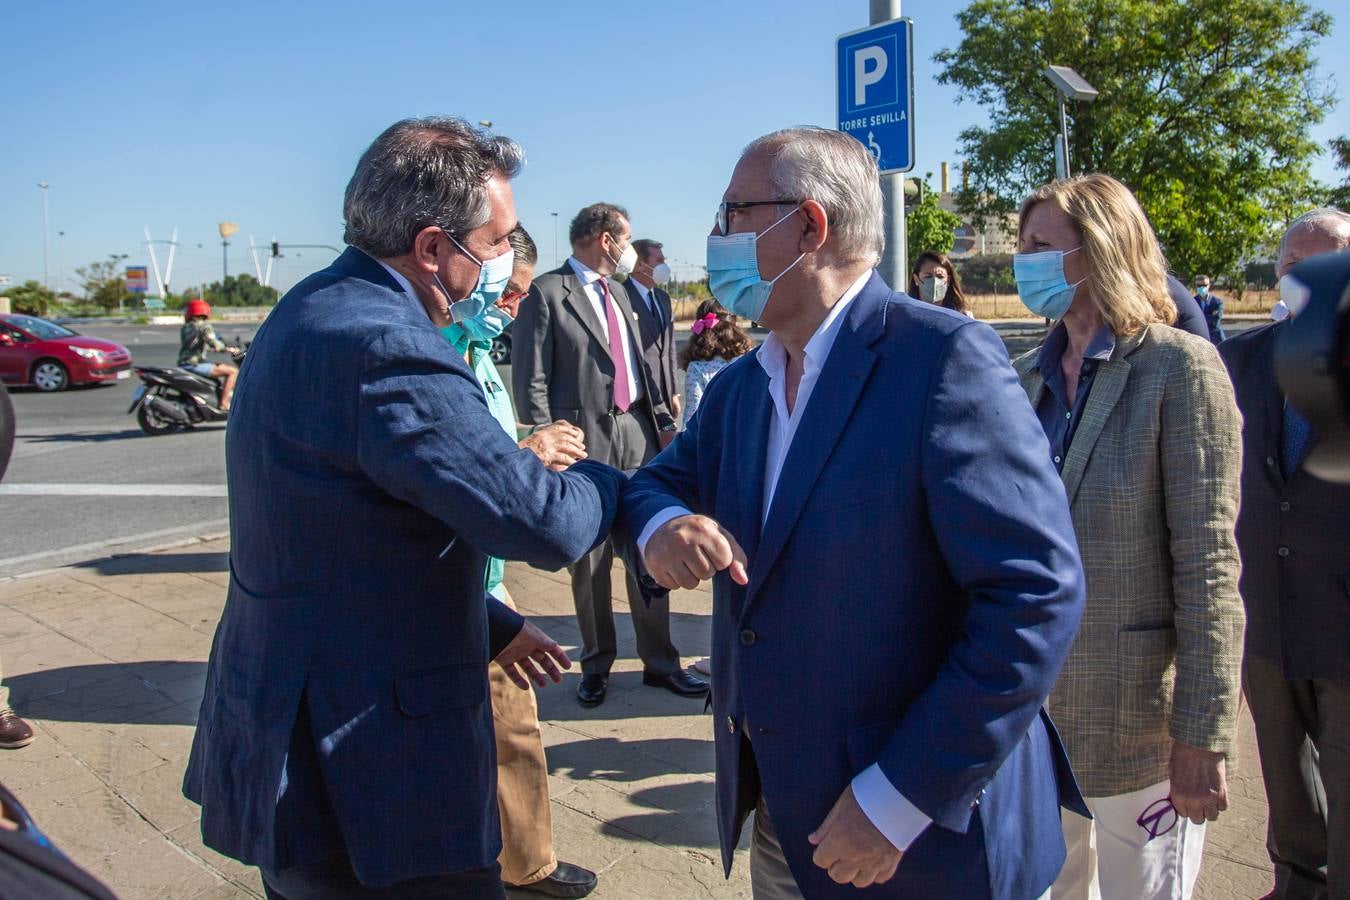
(823, 422)
(748, 437)
(581, 307)
(1107, 387)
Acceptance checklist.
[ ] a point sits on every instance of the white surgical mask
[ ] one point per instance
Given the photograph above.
(626, 262)
(661, 273)
(1294, 297)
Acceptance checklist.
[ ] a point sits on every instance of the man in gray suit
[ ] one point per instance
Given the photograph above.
(577, 356)
(656, 323)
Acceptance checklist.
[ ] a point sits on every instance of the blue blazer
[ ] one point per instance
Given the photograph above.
(913, 594)
(346, 699)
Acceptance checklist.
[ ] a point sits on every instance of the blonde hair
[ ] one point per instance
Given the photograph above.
(1127, 274)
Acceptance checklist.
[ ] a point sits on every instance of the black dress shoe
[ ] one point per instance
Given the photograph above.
(566, 881)
(591, 692)
(681, 683)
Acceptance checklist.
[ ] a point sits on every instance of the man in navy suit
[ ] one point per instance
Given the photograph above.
(1292, 532)
(896, 581)
(345, 741)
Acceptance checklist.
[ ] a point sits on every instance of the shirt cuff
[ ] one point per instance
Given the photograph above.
(655, 522)
(900, 821)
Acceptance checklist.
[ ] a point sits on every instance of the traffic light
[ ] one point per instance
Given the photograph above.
(276, 249)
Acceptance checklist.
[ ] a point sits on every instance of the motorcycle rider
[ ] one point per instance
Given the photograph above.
(198, 337)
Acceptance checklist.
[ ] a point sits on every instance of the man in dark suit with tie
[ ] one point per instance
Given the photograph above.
(345, 740)
(656, 322)
(577, 356)
(1293, 533)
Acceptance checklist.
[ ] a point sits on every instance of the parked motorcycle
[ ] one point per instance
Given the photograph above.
(173, 399)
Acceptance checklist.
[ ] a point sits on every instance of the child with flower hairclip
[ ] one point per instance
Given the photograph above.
(714, 340)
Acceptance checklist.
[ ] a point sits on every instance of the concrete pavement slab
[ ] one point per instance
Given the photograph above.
(108, 661)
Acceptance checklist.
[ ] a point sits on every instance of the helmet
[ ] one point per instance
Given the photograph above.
(198, 307)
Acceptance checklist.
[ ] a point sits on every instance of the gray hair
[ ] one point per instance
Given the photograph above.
(521, 242)
(836, 171)
(1326, 219)
(420, 173)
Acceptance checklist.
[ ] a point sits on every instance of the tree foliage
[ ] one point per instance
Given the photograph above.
(239, 290)
(1205, 109)
(31, 298)
(928, 227)
(103, 283)
(1339, 196)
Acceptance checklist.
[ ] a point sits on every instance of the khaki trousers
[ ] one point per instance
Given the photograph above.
(522, 780)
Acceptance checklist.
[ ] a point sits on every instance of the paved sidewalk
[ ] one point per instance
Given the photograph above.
(106, 659)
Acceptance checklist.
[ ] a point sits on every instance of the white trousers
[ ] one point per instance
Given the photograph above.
(1135, 847)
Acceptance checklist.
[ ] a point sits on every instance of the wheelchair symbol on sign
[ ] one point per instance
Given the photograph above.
(873, 147)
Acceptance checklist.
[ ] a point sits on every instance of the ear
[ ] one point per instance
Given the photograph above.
(817, 227)
(426, 243)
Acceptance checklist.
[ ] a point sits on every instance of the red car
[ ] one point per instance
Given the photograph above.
(51, 357)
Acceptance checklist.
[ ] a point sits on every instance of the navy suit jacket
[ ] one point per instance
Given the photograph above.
(1189, 316)
(1292, 531)
(346, 698)
(913, 593)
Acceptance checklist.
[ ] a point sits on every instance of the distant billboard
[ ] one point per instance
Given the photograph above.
(137, 279)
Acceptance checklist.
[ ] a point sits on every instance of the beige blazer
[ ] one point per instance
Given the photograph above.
(1152, 475)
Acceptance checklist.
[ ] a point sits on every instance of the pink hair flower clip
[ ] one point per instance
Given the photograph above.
(703, 324)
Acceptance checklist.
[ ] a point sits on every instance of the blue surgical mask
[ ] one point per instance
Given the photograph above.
(1041, 283)
(1202, 290)
(485, 326)
(493, 274)
(733, 271)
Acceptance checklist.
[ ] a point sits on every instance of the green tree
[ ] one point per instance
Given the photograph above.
(1205, 111)
(240, 290)
(928, 227)
(103, 283)
(1339, 196)
(31, 298)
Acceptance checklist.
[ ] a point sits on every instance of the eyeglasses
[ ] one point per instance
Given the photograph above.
(510, 296)
(727, 207)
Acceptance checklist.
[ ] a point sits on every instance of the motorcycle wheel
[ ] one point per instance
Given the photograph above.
(152, 423)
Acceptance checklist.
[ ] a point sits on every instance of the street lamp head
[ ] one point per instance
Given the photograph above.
(44, 185)
(486, 123)
(1070, 84)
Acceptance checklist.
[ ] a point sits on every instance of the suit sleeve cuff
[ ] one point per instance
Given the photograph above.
(655, 522)
(896, 818)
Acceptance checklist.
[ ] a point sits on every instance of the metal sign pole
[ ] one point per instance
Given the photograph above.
(894, 258)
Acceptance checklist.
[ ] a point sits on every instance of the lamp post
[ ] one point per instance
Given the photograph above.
(557, 260)
(46, 279)
(226, 229)
(1069, 85)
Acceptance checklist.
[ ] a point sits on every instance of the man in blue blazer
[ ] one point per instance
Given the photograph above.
(345, 739)
(895, 577)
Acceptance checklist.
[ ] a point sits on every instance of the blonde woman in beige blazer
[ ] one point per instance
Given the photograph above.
(1143, 426)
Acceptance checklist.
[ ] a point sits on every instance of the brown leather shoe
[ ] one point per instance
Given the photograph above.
(14, 732)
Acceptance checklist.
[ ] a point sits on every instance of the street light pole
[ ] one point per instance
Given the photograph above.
(557, 260)
(46, 279)
(894, 258)
(1069, 85)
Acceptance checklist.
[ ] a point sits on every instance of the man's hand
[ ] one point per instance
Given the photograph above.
(691, 549)
(676, 406)
(557, 445)
(529, 650)
(666, 438)
(1199, 783)
(850, 847)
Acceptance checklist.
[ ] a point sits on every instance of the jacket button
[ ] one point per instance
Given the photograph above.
(731, 725)
(747, 636)
(1283, 551)
(1270, 460)
(1284, 506)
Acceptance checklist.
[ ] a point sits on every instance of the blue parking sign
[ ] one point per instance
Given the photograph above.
(876, 91)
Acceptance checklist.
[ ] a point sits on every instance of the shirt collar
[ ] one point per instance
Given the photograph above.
(1101, 347)
(643, 291)
(584, 272)
(773, 357)
(397, 276)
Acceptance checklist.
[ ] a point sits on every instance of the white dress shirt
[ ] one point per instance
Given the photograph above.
(893, 815)
(649, 297)
(596, 295)
(398, 276)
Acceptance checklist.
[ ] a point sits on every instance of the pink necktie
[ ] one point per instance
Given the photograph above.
(622, 400)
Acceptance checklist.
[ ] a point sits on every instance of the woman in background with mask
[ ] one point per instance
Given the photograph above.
(934, 280)
(1144, 429)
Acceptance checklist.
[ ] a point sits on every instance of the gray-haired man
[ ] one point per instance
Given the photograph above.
(1292, 532)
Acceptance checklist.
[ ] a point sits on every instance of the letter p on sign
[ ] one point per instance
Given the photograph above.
(869, 67)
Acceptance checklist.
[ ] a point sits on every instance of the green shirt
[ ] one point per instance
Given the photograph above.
(499, 404)
(195, 338)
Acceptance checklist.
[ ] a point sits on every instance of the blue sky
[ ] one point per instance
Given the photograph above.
(183, 115)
